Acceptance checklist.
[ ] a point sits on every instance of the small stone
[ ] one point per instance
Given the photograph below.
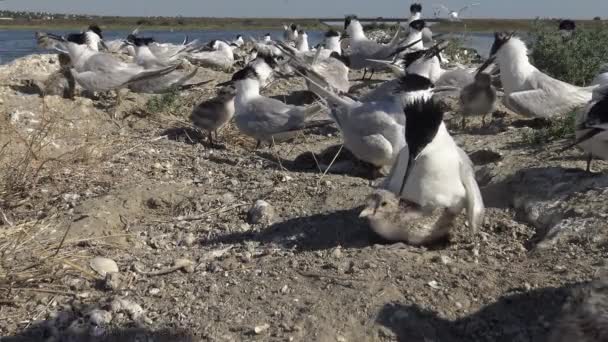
(154, 291)
(103, 266)
(100, 317)
(434, 285)
(340, 338)
(284, 289)
(527, 286)
(445, 259)
(261, 328)
(261, 212)
(228, 198)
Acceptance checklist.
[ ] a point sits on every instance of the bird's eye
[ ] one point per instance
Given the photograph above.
(384, 204)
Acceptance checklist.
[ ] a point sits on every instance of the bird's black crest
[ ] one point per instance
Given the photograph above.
(418, 24)
(139, 41)
(348, 20)
(95, 28)
(239, 36)
(500, 39)
(267, 35)
(598, 114)
(414, 82)
(342, 58)
(268, 58)
(294, 27)
(301, 31)
(78, 38)
(567, 25)
(332, 33)
(247, 72)
(422, 121)
(416, 8)
(411, 57)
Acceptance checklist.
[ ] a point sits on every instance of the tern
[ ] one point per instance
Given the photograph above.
(431, 170)
(216, 54)
(211, 115)
(290, 33)
(592, 127)
(455, 15)
(527, 90)
(362, 49)
(266, 119)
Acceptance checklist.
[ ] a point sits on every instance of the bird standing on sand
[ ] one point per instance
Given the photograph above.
(61, 83)
(431, 170)
(527, 90)
(213, 114)
(478, 98)
(592, 127)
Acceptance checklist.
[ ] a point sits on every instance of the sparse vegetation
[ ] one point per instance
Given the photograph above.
(558, 128)
(165, 103)
(563, 58)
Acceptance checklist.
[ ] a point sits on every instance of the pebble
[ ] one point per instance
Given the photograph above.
(261, 328)
(154, 291)
(434, 285)
(261, 212)
(103, 266)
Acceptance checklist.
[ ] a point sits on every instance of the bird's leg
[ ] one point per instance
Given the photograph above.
(483, 120)
(117, 104)
(259, 143)
(589, 159)
(372, 74)
(210, 138)
(364, 74)
(464, 121)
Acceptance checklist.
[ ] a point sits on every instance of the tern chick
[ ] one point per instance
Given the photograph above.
(213, 114)
(592, 127)
(61, 83)
(478, 98)
(396, 219)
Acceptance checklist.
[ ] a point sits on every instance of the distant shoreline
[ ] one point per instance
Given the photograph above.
(184, 24)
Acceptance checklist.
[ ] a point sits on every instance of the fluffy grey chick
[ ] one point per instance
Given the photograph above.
(478, 98)
(61, 83)
(585, 316)
(213, 114)
(397, 219)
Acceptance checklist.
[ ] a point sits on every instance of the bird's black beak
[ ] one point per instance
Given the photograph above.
(487, 63)
(56, 37)
(103, 45)
(225, 84)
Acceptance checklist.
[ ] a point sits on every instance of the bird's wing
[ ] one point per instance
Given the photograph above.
(541, 103)
(474, 201)
(443, 7)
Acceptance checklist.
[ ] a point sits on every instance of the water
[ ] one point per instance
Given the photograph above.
(18, 43)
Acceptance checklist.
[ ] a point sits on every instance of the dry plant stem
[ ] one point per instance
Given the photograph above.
(330, 164)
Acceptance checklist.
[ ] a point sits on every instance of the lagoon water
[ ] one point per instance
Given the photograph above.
(18, 43)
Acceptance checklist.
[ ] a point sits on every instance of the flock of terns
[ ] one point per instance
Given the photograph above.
(397, 127)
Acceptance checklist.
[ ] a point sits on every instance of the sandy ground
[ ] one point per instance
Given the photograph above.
(146, 190)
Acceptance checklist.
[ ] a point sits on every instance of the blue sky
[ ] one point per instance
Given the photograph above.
(312, 8)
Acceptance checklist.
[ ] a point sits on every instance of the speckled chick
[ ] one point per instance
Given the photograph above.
(61, 83)
(401, 220)
(213, 114)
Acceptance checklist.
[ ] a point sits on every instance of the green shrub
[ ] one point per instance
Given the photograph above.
(575, 60)
(165, 103)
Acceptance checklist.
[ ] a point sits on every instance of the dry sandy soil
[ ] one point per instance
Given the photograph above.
(147, 190)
